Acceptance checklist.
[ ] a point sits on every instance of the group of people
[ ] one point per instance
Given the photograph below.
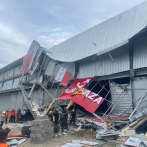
(62, 117)
(13, 116)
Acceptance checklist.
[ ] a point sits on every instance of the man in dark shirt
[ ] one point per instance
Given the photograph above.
(73, 117)
(56, 115)
(63, 119)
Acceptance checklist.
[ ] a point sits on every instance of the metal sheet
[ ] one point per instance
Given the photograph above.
(38, 54)
(1, 77)
(1, 85)
(15, 83)
(60, 74)
(5, 102)
(140, 53)
(102, 37)
(9, 84)
(125, 102)
(17, 70)
(4, 86)
(104, 65)
(69, 66)
(19, 100)
(10, 73)
(34, 66)
(5, 75)
(33, 46)
(50, 68)
(139, 83)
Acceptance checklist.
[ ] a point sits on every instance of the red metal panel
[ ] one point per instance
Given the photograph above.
(77, 83)
(93, 106)
(65, 79)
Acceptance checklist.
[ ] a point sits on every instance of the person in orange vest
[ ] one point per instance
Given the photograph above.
(3, 137)
(11, 116)
(16, 116)
(6, 116)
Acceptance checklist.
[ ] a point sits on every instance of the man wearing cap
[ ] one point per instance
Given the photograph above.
(56, 115)
(2, 119)
(3, 137)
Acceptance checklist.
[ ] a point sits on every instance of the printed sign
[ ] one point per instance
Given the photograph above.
(87, 99)
(65, 79)
(60, 74)
(80, 83)
(132, 141)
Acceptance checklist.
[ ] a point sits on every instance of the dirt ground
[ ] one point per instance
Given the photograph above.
(87, 135)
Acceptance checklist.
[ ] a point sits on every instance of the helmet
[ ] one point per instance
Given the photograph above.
(50, 112)
(60, 112)
(57, 109)
(3, 111)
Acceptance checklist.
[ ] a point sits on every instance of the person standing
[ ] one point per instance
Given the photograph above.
(2, 119)
(50, 115)
(73, 117)
(63, 119)
(56, 115)
(13, 116)
(23, 113)
(6, 116)
(16, 116)
(19, 115)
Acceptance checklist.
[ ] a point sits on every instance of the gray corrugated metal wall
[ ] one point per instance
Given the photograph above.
(140, 53)
(11, 101)
(140, 83)
(125, 102)
(103, 65)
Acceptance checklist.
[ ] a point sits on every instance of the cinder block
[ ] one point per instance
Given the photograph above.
(32, 135)
(40, 140)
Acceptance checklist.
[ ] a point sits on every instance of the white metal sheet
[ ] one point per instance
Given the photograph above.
(1, 85)
(15, 83)
(38, 54)
(4, 86)
(50, 68)
(5, 75)
(1, 77)
(5, 102)
(17, 71)
(140, 53)
(10, 73)
(125, 96)
(140, 83)
(60, 74)
(104, 65)
(34, 66)
(9, 84)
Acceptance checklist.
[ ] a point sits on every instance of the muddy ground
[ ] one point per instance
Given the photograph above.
(87, 135)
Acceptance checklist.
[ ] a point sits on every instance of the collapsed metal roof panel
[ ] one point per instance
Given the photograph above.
(103, 37)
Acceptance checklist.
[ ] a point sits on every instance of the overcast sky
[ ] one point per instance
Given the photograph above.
(50, 22)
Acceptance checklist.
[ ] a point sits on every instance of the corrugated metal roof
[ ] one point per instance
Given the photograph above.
(106, 36)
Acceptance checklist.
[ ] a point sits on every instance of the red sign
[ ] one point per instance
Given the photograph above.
(87, 99)
(65, 79)
(80, 83)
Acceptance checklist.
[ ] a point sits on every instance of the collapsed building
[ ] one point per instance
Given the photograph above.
(113, 53)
